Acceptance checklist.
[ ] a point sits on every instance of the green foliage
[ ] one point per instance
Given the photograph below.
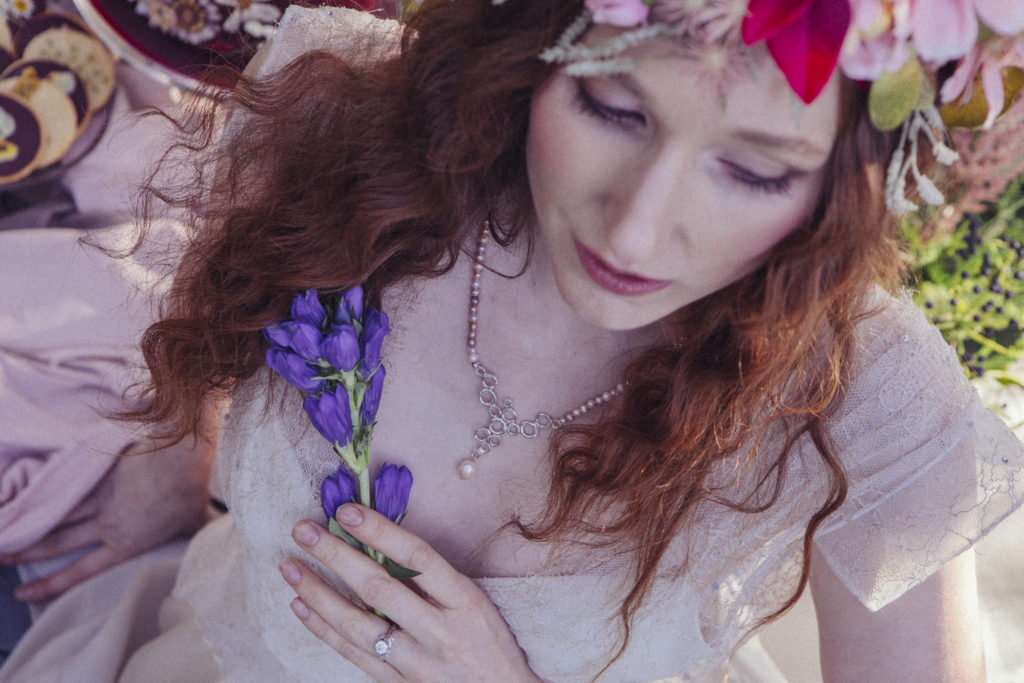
(970, 284)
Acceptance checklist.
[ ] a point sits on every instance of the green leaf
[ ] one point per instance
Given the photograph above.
(894, 95)
(397, 571)
(335, 529)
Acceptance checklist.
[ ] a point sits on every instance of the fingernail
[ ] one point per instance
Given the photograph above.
(350, 515)
(300, 609)
(25, 593)
(290, 572)
(305, 533)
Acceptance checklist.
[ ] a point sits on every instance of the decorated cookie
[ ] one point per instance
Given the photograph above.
(85, 55)
(6, 39)
(44, 22)
(60, 76)
(52, 107)
(21, 139)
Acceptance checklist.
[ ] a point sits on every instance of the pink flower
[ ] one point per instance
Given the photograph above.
(878, 40)
(621, 13)
(947, 29)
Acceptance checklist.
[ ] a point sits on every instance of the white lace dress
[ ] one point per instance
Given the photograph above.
(930, 472)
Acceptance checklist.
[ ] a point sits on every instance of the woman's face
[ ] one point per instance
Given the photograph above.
(654, 188)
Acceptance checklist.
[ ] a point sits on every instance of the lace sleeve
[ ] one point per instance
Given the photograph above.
(352, 34)
(931, 470)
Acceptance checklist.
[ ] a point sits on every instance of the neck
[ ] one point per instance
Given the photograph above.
(527, 332)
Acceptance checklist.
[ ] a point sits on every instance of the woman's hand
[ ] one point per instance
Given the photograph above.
(143, 501)
(454, 633)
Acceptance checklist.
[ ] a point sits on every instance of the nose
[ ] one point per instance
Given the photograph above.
(646, 207)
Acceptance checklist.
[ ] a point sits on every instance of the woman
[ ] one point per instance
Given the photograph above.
(662, 245)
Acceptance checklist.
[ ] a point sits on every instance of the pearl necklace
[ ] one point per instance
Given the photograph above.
(502, 418)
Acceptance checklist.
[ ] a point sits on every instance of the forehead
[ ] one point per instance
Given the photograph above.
(742, 83)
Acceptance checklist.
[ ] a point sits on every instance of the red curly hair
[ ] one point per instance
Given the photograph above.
(375, 173)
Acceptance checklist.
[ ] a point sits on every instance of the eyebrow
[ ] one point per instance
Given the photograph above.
(794, 145)
(786, 143)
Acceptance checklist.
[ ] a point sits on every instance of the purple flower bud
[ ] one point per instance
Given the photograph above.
(294, 369)
(341, 347)
(306, 308)
(371, 399)
(331, 416)
(374, 331)
(391, 491)
(277, 335)
(304, 338)
(336, 490)
(351, 306)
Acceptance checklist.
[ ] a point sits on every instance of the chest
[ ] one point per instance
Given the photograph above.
(433, 408)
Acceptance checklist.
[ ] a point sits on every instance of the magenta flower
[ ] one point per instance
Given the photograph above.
(621, 13)
(803, 36)
(336, 490)
(391, 491)
(331, 415)
(295, 370)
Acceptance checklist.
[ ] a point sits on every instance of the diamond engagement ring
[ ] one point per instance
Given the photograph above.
(382, 646)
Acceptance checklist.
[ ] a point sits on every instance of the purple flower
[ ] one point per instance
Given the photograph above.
(374, 331)
(306, 308)
(336, 490)
(331, 416)
(341, 347)
(277, 335)
(371, 399)
(391, 491)
(304, 338)
(294, 369)
(350, 307)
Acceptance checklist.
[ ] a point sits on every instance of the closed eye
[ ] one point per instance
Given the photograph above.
(776, 185)
(588, 104)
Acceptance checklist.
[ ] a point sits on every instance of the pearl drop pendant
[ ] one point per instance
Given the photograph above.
(467, 468)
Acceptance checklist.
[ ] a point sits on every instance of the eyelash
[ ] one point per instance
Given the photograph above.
(758, 183)
(591, 106)
(624, 118)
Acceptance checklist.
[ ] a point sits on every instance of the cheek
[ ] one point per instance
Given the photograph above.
(557, 159)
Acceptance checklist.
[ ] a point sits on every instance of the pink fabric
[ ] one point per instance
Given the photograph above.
(70, 319)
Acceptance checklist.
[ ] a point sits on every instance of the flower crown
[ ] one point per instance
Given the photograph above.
(929, 65)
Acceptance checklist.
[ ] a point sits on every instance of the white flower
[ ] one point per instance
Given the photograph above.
(255, 16)
(198, 21)
(159, 13)
(19, 9)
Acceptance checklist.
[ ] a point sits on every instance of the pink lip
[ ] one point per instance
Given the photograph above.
(616, 281)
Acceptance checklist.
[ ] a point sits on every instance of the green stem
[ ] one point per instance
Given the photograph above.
(1009, 377)
(364, 489)
(993, 345)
